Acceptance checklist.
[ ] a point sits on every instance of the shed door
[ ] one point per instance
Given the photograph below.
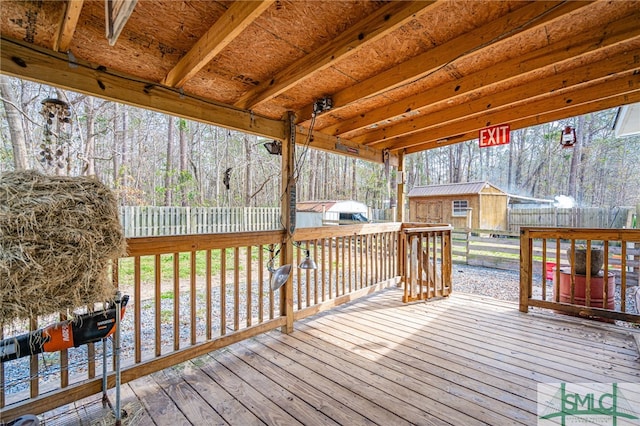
(429, 212)
(435, 212)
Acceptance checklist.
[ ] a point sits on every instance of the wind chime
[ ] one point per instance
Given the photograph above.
(57, 133)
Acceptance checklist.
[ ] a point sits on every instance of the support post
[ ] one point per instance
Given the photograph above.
(288, 209)
(400, 188)
(400, 218)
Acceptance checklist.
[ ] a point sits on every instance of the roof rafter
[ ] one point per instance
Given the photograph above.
(238, 17)
(29, 62)
(484, 103)
(563, 50)
(379, 24)
(523, 19)
(547, 117)
(68, 25)
(578, 94)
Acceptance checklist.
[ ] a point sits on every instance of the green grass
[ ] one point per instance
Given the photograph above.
(147, 264)
(167, 295)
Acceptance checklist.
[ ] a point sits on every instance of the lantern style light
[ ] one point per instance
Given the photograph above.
(568, 137)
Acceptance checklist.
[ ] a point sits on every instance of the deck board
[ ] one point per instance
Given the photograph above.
(192, 405)
(266, 361)
(204, 379)
(460, 360)
(287, 358)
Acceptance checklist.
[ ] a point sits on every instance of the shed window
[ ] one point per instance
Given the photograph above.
(460, 207)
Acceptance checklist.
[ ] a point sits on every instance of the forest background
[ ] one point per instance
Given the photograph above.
(153, 159)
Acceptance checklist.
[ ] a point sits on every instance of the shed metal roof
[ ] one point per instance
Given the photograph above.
(464, 188)
(320, 206)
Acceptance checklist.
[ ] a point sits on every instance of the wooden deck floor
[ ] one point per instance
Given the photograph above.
(464, 360)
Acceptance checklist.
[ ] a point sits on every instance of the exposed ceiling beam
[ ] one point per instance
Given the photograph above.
(29, 62)
(68, 25)
(563, 50)
(606, 87)
(382, 22)
(335, 145)
(523, 19)
(235, 20)
(484, 101)
(570, 111)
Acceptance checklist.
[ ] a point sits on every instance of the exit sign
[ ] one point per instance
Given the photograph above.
(495, 135)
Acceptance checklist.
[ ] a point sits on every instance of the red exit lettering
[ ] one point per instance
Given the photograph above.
(495, 135)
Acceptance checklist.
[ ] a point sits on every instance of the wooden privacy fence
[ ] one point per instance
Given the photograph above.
(588, 294)
(576, 217)
(147, 221)
(191, 294)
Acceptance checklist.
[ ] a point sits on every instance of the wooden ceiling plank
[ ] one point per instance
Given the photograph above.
(68, 25)
(622, 62)
(560, 114)
(235, 20)
(606, 87)
(377, 25)
(523, 19)
(25, 61)
(324, 142)
(567, 49)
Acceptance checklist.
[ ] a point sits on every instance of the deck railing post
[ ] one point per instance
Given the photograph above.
(526, 266)
(446, 261)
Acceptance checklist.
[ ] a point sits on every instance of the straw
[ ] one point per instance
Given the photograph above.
(58, 236)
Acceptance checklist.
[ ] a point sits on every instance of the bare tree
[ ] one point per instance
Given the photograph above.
(14, 120)
(248, 175)
(89, 168)
(183, 174)
(168, 168)
(576, 158)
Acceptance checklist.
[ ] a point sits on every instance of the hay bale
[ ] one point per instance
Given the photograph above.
(57, 237)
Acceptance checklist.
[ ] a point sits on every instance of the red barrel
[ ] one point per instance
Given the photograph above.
(597, 284)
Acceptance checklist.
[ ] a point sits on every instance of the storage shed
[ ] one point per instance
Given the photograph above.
(476, 205)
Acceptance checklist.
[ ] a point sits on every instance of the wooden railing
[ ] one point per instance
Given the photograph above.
(548, 266)
(426, 254)
(192, 294)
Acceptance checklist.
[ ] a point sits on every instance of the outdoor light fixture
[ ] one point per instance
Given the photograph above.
(274, 147)
(568, 137)
(322, 105)
(308, 263)
(279, 276)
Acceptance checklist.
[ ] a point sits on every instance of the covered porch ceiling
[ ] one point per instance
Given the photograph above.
(362, 76)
